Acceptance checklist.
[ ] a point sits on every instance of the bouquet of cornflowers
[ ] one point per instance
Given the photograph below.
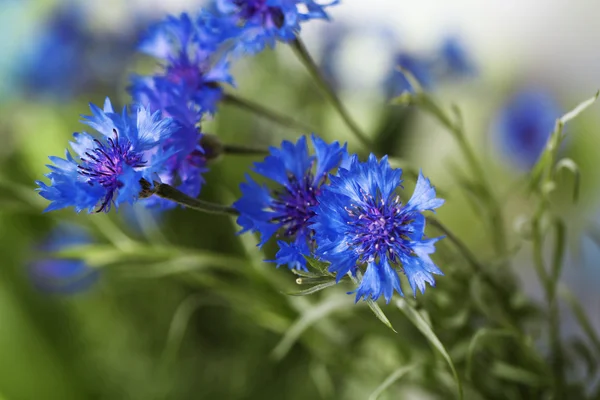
(336, 215)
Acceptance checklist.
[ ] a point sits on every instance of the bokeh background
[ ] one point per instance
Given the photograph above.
(138, 325)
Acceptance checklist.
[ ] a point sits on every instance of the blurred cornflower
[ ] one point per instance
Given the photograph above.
(524, 124)
(189, 50)
(67, 57)
(186, 88)
(60, 275)
(449, 62)
(286, 210)
(108, 170)
(359, 221)
(420, 67)
(454, 59)
(266, 21)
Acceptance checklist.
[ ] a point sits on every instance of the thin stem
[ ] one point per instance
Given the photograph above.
(304, 56)
(549, 290)
(496, 218)
(271, 115)
(170, 193)
(469, 256)
(242, 150)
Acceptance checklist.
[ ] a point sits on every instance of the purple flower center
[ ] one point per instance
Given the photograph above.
(378, 228)
(293, 204)
(258, 10)
(104, 164)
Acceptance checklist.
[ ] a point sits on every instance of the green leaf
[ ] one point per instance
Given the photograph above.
(558, 255)
(571, 166)
(419, 322)
(306, 320)
(579, 108)
(516, 374)
(581, 317)
(314, 289)
(318, 265)
(373, 305)
(394, 376)
(479, 337)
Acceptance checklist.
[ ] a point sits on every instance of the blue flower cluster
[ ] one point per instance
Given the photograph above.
(343, 211)
(322, 203)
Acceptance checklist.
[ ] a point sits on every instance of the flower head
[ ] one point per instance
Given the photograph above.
(360, 222)
(183, 169)
(60, 275)
(188, 49)
(455, 59)
(286, 209)
(419, 67)
(107, 170)
(523, 126)
(266, 21)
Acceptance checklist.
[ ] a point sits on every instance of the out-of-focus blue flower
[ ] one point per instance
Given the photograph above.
(359, 221)
(454, 58)
(451, 62)
(108, 169)
(59, 275)
(188, 50)
(286, 210)
(266, 21)
(63, 58)
(524, 124)
(419, 67)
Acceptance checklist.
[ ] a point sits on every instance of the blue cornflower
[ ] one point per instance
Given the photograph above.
(454, 58)
(188, 50)
(360, 222)
(108, 170)
(523, 126)
(59, 61)
(419, 67)
(183, 169)
(59, 275)
(286, 210)
(266, 21)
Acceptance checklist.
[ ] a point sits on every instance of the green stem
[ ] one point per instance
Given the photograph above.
(476, 266)
(549, 290)
(271, 115)
(496, 218)
(170, 193)
(312, 68)
(244, 151)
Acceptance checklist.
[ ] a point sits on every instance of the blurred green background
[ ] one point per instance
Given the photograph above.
(183, 308)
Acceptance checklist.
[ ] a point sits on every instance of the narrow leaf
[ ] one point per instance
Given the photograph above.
(479, 337)
(419, 322)
(314, 289)
(571, 166)
(515, 374)
(580, 108)
(306, 320)
(581, 317)
(558, 255)
(318, 265)
(394, 376)
(374, 306)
